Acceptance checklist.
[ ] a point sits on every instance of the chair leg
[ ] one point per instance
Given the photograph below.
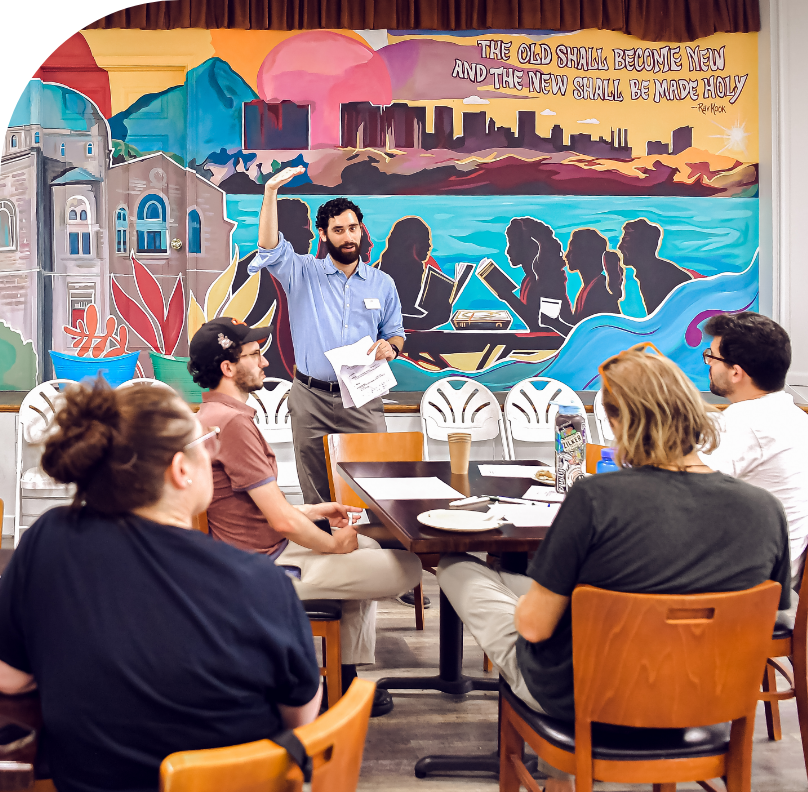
(771, 708)
(664, 787)
(487, 664)
(798, 661)
(332, 659)
(511, 747)
(418, 591)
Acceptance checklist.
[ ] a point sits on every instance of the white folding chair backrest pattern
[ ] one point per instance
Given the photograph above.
(37, 411)
(144, 381)
(529, 416)
(602, 421)
(470, 407)
(272, 410)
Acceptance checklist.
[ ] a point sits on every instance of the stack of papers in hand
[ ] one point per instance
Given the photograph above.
(538, 515)
(360, 376)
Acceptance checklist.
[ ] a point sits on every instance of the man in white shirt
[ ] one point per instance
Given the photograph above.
(763, 433)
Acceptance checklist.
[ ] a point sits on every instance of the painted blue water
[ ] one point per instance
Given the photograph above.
(716, 238)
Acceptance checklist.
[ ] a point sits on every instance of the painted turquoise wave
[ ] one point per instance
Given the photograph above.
(670, 328)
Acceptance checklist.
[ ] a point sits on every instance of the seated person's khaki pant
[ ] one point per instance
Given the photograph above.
(357, 579)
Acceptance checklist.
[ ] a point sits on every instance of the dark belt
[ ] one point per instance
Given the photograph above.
(331, 387)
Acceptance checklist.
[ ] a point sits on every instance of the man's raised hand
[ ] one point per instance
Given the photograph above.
(283, 177)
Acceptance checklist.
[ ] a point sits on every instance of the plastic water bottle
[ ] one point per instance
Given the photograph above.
(570, 446)
(606, 463)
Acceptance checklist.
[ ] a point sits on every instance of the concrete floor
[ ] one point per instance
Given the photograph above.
(425, 722)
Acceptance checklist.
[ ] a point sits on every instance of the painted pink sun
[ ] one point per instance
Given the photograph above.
(324, 69)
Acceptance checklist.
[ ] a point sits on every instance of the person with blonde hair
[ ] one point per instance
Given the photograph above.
(143, 636)
(665, 523)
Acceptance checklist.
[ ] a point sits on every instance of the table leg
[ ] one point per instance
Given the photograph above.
(450, 678)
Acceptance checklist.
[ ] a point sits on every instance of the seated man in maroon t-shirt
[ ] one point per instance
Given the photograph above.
(249, 510)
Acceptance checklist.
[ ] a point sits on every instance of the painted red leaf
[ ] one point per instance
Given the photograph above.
(175, 318)
(150, 293)
(134, 316)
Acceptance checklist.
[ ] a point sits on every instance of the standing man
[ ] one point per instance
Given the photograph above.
(763, 433)
(333, 302)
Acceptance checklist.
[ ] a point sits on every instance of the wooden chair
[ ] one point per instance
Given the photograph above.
(593, 456)
(658, 678)
(376, 447)
(324, 616)
(335, 742)
(792, 644)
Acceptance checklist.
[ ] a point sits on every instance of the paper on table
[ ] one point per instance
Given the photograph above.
(545, 494)
(539, 515)
(360, 376)
(511, 471)
(424, 488)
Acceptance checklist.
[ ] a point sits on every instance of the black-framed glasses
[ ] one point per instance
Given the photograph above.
(257, 355)
(210, 437)
(707, 356)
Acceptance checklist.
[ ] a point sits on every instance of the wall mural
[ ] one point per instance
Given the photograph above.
(541, 200)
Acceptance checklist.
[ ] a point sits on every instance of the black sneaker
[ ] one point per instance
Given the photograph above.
(408, 599)
(382, 703)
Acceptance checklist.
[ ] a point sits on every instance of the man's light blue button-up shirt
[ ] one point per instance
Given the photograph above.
(328, 310)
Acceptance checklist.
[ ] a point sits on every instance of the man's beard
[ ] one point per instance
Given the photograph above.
(717, 389)
(340, 256)
(245, 385)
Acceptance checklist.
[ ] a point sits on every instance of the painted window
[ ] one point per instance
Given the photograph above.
(62, 150)
(73, 243)
(36, 137)
(194, 232)
(72, 215)
(121, 231)
(8, 226)
(13, 141)
(85, 243)
(79, 242)
(152, 224)
(83, 214)
(89, 148)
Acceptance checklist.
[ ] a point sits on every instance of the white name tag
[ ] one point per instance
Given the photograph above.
(371, 303)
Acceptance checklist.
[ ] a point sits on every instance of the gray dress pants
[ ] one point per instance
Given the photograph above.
(316, 413)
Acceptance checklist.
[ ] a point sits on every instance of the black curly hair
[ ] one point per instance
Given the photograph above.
(208, 373)
(334, 208)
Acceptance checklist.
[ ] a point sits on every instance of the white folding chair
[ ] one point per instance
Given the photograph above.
(470, 407)
(273, 420)
(36, 492)
(606, 435)
(529, 416)
(144, 381)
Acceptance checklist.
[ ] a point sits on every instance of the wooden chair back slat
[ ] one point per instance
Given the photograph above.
(335, 742)
(200, 522)
(367, 447)
(593, 456)
(701, 654)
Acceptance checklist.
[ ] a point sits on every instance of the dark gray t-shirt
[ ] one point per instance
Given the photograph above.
(656, 532)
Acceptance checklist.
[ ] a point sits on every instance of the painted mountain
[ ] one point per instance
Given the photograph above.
(191, 120)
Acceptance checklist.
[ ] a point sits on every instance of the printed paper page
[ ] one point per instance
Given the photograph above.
(424, 488)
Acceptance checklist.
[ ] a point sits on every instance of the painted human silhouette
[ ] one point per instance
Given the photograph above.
(426, 293)
(532, 245)
(656, 277)
(294, 223)
(585, 253)
(615, 277)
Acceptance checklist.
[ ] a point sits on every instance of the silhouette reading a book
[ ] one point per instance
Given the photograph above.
(542, 301)
(615, 277)
(656, 277)
(585, 253)
(295, 225)
(427, 294)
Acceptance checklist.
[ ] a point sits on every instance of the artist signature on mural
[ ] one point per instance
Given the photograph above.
(713, 108)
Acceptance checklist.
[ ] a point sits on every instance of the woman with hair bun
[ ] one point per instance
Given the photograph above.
(143, 636)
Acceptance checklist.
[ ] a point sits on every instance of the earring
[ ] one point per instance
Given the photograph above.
(188, 481)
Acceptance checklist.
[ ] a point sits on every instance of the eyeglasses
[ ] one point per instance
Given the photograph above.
(257, 355)
(210, 437)
(646, 345)
(707, 356)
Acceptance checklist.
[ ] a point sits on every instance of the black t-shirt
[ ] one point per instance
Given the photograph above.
(146, 639)
(650, 531)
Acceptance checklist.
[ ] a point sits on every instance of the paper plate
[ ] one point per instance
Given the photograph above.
(549, 482)
(457, 520)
